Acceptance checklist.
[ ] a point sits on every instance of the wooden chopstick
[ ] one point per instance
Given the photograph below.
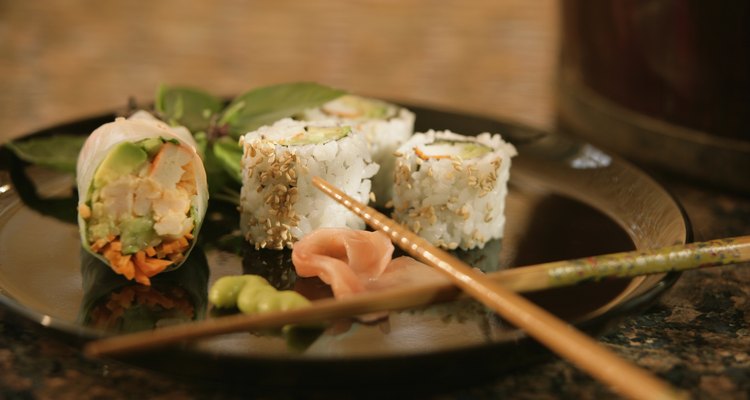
(626, 264)
(521, 279)
(558, 336)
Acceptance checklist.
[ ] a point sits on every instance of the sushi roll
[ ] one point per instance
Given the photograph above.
(450, 189)
(386, 126)
(142, 195)
(278, 203)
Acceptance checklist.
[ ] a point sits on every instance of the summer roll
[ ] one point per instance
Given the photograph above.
(142, 195)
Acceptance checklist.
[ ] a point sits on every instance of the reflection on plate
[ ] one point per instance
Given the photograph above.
(113, 304)
(567, 199)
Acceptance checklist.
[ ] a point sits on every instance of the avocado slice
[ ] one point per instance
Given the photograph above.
(453, 148)
(350, 106)
(124, 159)
(317, 135)
(136, 234)
(151, 145)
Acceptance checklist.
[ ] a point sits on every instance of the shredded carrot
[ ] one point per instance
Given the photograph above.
(172, 247)
(116, 245)
(145, 263)
(84, 211)
(141, 278)
(425, 157)
(140, 257)
(127, 268)
(150, 266)
(99, 244)
(168, 248)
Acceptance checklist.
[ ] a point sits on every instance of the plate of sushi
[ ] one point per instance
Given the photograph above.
(197, 207)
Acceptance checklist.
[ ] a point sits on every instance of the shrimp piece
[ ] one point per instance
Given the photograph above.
(167, 167)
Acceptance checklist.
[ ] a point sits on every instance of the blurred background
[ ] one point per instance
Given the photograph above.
(641, 78)
(61, 60)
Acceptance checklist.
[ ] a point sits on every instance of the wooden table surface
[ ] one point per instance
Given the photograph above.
(65, 59)
(61, 60)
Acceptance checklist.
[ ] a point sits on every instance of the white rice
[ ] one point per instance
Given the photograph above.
(278, 204)
(383, 136)
(452, 202)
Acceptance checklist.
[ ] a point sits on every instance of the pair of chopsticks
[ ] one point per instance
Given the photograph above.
(494, 290)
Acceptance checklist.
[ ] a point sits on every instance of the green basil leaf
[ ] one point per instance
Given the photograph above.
(189, 107)
(269, 104)
(59, 152)
(229, 155)
(218, 179)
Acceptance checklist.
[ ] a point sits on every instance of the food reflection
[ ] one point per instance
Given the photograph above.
(112, 303)
(273, 265)
(137, 307)
(486, 259)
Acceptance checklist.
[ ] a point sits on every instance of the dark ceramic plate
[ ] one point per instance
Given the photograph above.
(567, 199)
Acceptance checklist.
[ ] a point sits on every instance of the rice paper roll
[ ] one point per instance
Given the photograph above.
(142, 195)
(450, 189)
(386, 126)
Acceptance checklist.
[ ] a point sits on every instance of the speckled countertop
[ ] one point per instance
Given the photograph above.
(65, 59)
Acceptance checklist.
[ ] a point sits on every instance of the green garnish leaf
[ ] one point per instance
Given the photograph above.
(218, 179)
(215, 128)
(189, 107)
(59, 152)
(269, 104)
(229, 155)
